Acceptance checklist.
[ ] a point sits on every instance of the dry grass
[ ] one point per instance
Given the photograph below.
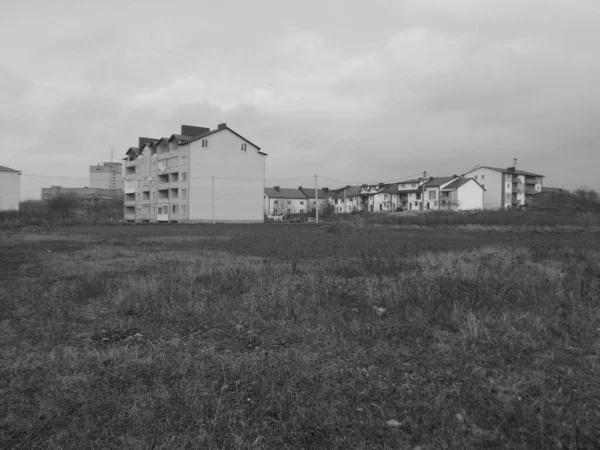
(268, 337)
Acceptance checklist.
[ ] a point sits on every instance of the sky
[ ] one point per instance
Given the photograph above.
(353, 91)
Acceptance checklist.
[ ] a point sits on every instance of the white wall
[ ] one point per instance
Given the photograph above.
(10, 191)
(236, 200)
(492, 182)
(295, 206)
(470, 196)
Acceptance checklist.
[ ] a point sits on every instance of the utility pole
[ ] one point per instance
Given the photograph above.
(423, 199)
(213, 199)
(345, 208)
(316, 201)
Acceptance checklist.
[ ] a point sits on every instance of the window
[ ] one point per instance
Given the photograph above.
(313, 202)
(275, 210)
(204, 142)
(275, 202)
(402, 186)
(336, 201)
(174, 209)
(301, 202)
(476, 177)
(183, 209)
(385, 196)
(507, 196)
(483, 177)
(432, 195)
(184, 159)
(301, 211)
(289, 202)
(243, 147)
(507, 185)
(184, 193)
(183, 176)
(414, 185)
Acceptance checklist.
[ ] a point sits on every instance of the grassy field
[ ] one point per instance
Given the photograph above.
(300, 336)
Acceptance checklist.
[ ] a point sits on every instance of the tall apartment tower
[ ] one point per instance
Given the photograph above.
(107, 175)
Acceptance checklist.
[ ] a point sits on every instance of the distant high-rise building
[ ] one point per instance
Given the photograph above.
(107, 175)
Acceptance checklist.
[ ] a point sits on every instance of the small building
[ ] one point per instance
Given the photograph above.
(322, 195)
(10, 189)
(285, 201)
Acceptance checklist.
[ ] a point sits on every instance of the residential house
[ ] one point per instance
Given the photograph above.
(285, 201)
(321, 198)
(507, 188)
(348, 200)
(453, 194)
(199, 175)
(409, 194)
(10, 189)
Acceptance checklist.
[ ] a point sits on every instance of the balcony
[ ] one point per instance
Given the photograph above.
(530, 190)
(162, 217)
(129, 187)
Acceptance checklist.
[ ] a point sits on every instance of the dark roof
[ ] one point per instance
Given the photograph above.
(8, 169)
(202, 136)
(132, 150)
(180, 137)
(321, 193)
(438, 181)
(285, 193)
(505, 170)
(351, 191)
(391, 188)
(416, 180)
(457, 183)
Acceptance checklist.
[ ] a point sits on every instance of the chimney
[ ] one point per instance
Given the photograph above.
(222, 126)
(276, 188)
(299, 188)
(326, 190)
(190, 130)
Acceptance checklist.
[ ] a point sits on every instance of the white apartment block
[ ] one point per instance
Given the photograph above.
(193, 177)
(507, 188)
(10, 189)
(107, 175)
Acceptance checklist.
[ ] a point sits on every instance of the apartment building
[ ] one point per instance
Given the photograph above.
(314, 198)
(199, 175)
(86, 195)
(107, 175)
(10, 189)
(507, 188)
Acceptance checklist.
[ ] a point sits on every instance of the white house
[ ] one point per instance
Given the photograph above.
(196, 176)
(321, 196)
(507, 188)
(283, 201)
(10, 189)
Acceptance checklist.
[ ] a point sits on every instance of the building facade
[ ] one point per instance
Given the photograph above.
(10, 189)
(193, 177)
(107, 175)
(285, 201)
(507, 188)
(86, 195)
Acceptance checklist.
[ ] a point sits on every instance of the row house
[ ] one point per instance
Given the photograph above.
(199, 175)
(286, 201)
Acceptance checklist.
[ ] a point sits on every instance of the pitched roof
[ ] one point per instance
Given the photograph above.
(285, 193)
(438, 181)
(8, 169)
(415, 180)
(201, 136)
(180, 137)
(456, 184)
(321, 193)
(505, 170)
(351, 191)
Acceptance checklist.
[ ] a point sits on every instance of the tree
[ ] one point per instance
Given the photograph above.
(587, 194)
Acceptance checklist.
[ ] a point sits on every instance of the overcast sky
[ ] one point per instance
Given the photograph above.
(355, 91)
